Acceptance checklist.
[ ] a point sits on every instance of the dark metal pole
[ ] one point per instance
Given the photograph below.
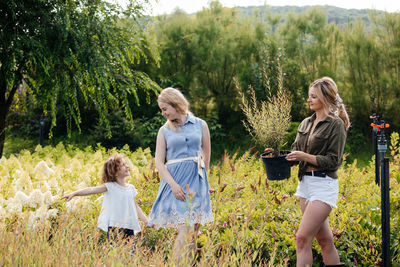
(375, 144)
(385, 214)
(375, 131)
(385, 203)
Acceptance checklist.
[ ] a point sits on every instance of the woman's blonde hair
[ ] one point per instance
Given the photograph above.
(177, 100)
(111, 167)
(327, 92)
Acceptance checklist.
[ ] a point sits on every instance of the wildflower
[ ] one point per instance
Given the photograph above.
(45, 187)
(77, 204)
(211, 191)
(284, 196)
(132, 167)
(21, 198)
(75, 164)
(225, 224)
(48, 198)
(134, 171)
(223, 187)
(23, 181)
(36, 198)
(254, 188)
(69, 205)
(143, 161)
(14, 208)
(41, 213)
(37, 217)
(2, 213)
(17, 173)
(53, 183)
(42, 170)
(190, 193)
(139, 200)
(239, 188)
(52, 213)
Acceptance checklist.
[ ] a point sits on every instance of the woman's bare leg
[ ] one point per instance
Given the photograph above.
(314, 215)
(185, 246)
(179, 250)
(325, 240)
(193, 243)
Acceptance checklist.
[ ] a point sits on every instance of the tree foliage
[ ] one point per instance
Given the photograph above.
(372, 60)
(67, 51)
(201, 53)
(85, 54)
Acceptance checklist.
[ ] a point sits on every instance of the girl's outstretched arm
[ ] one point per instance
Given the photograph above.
(86, 191)
(141, 214)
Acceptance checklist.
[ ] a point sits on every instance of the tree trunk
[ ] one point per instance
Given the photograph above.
(3, 113)
(5, 104)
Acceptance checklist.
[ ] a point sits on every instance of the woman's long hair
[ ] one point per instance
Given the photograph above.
(327, 92)
(177, 100)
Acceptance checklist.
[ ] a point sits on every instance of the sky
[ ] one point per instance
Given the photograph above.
(191, 6)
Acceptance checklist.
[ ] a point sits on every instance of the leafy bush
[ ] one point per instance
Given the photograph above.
(268, 121)
(146, 130)
(142, 133)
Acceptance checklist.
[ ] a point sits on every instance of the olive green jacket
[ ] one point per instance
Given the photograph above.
(327, 143)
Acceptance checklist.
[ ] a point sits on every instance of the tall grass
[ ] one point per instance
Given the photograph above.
(255, 219)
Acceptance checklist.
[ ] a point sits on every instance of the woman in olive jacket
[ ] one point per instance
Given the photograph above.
(319, 148)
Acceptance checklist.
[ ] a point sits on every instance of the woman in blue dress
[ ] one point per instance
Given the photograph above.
(182, 159)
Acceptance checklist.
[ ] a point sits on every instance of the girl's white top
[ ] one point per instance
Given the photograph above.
(119, 209)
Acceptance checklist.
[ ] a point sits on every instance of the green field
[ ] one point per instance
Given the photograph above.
(255, 219)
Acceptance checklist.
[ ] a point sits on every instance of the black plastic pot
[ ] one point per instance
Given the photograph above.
(277, 168)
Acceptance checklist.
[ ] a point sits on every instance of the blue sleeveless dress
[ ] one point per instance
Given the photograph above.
(167, 209)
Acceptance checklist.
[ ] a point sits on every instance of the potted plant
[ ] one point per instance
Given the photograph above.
(267, 122)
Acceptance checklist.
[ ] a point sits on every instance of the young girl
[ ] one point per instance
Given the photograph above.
(182, 158)
(120, 211)
(319, 148)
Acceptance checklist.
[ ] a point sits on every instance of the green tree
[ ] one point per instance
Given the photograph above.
(201, 53)
(226, 45)
(312, 49)
(67, 50)
(372, 63)
(176, 45)
(391, 40)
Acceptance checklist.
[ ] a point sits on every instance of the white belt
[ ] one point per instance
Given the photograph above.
(199, 159)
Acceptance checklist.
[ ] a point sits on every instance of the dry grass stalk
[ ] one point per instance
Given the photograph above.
(268, 121)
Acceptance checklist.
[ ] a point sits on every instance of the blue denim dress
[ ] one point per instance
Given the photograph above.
(167, 209)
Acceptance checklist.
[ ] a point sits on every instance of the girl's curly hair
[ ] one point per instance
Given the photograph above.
(111, 167)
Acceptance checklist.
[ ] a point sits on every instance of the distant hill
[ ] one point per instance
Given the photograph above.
(335, 14)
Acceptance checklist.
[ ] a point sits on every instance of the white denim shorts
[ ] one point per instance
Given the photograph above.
(325, 189)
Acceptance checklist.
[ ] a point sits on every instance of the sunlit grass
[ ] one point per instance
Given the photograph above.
(255, 219)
